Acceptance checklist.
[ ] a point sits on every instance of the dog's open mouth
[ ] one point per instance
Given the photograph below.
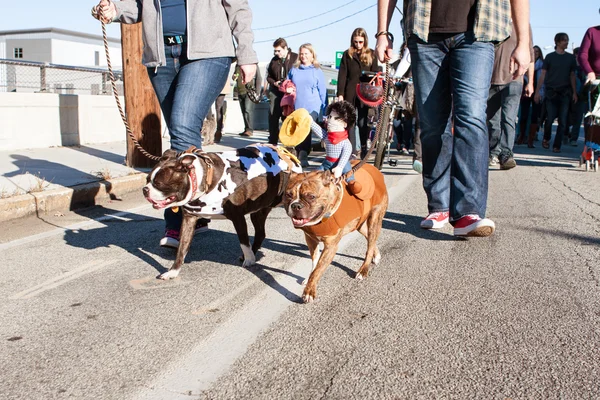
(299, 222)
(161, 203)
(315, 219)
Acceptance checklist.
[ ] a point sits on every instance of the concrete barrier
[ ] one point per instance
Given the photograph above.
(29, 120)
(41, 120)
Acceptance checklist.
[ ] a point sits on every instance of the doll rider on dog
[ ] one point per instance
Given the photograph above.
(338, 148)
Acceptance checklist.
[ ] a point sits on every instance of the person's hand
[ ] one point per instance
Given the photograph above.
(248, 71)
(575, 98)
(108, 8)
(519, 61)
(529, 89)
(339, 98)
(277, 84)
(337, 172)
(383, 48)
(590, 77)
(537, 97)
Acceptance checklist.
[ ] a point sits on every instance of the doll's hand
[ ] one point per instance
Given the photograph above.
(337, 172)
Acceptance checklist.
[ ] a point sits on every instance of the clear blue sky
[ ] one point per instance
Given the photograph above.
(547, 18)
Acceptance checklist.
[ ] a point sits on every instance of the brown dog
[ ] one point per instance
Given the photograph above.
(322, 207)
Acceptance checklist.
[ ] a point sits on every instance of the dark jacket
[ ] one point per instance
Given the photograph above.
(350, 74)
(277, 71)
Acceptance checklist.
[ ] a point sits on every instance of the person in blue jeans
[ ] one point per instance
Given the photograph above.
(311, 92)
(451, 43)
(188, 50)
(558, 79)
(503, 105)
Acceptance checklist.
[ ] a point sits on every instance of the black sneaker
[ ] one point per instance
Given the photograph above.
(507, 162)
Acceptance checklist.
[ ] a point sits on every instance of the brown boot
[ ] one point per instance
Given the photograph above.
(532, 131)
(354, 187)
(522, 129)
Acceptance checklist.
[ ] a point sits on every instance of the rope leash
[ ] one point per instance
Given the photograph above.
(116, 94)
(155, 158)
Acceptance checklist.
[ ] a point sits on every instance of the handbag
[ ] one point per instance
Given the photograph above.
(371, 93)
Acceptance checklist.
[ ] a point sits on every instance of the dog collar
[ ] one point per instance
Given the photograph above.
(193, 180)
(207, 170)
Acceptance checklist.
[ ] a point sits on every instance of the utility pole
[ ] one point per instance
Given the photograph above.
(141, 106)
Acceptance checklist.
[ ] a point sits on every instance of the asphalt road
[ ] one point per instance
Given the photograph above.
(516, 315)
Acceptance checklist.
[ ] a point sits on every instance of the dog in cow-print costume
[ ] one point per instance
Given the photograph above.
(231, 184)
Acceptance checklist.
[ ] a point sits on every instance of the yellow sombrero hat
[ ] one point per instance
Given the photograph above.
(295, 128)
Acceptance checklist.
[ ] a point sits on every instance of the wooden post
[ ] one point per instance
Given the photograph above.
(141, 106)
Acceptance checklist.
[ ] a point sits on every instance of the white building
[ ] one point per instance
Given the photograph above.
(55, 60)
(59, 46)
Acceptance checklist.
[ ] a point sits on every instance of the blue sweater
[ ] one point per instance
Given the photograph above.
(311, 92)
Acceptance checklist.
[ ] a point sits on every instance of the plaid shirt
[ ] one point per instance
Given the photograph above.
(492, 19)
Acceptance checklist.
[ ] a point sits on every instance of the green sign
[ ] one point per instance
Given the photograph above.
(338, 58)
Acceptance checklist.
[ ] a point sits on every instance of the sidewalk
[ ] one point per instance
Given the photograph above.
(59, 179)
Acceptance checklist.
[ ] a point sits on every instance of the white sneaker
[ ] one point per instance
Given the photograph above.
(418, 166)
(494, 161)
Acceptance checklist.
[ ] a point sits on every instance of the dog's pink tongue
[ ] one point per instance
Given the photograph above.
(157, 204)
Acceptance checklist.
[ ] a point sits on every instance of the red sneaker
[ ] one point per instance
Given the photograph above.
(473, 226)
(171, 239)
(435, 220)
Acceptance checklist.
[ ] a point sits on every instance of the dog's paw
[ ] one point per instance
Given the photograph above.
(309, 295)
(248, 263)
(359, 276)
(377, 258)
(170, 274)
(249, 258)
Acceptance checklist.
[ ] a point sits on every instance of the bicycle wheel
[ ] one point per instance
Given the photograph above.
(382, 140)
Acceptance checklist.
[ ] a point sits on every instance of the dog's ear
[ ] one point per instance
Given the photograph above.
(168, 155)
(187, 161)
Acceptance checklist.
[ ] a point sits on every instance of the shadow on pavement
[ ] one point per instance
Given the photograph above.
(411, 224)
(586, 240)
(105, 155)
(541, 163)
(48, 171)
(142, 240)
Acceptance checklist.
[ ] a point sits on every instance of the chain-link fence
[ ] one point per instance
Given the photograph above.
(36, 77)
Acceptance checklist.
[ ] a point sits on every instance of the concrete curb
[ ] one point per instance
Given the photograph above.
(69, 199)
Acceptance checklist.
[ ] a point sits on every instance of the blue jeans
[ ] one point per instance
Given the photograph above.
(452, 81)
(186, 90)
(578, 110)
(502, 109)
(328, 165)
(557, 105)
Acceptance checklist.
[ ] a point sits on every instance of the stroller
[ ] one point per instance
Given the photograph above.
(591, 148)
